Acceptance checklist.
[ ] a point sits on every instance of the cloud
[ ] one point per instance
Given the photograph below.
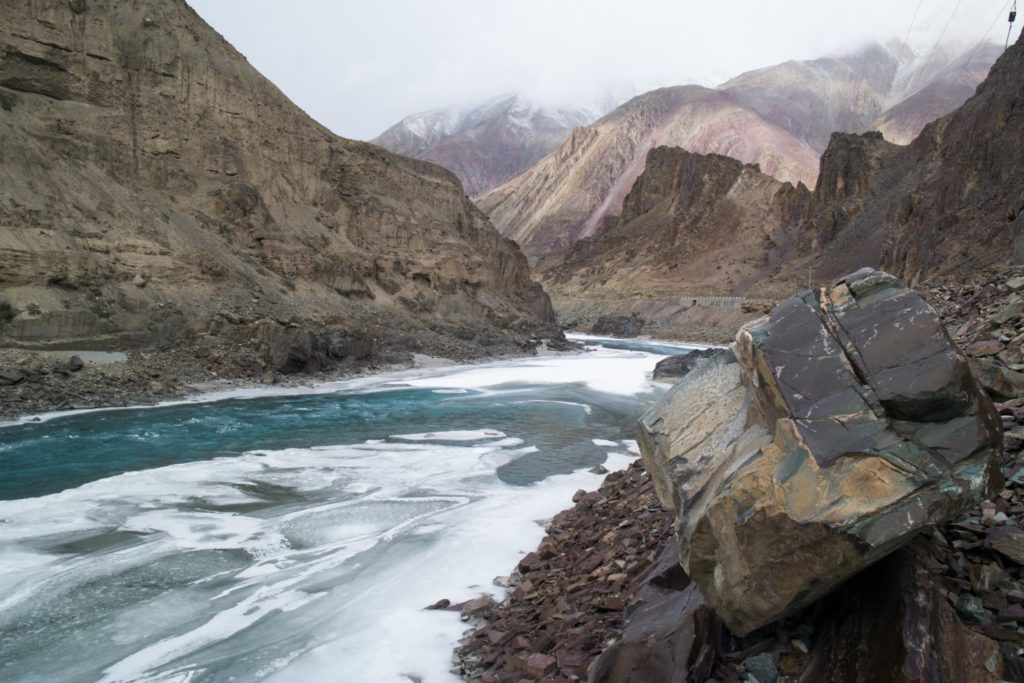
(358, 67)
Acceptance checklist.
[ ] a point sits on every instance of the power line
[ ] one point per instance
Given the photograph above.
(913, 20)
(934, 47)
(984, 37)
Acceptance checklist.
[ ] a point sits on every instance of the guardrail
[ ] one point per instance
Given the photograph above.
(712, 301)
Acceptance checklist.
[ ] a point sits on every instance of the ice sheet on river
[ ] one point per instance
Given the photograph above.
(293, 562)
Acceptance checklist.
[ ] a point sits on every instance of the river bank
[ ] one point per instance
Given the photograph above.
(607, 572)
(42, 381)
(300, 531)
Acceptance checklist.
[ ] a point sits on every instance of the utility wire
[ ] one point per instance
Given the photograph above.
(934, 47)
(905, 46)
(981, 42)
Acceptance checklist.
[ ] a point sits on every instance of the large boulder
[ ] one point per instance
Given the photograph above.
(624, 326)
(843, 424)
(676, 367)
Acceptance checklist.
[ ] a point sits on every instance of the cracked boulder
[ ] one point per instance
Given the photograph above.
(843, 423)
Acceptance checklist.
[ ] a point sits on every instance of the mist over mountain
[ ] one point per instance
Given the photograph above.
(779, 117)
(944, 207)
(486, 144)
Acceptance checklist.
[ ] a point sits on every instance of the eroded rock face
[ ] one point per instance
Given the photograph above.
(152, 183)
(618, 325)
(675, 368)
(843, 424)
(692, 225)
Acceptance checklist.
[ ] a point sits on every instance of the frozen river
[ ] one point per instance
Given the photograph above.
(296, 534)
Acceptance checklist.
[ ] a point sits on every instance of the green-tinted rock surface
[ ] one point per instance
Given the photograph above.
(849, 423)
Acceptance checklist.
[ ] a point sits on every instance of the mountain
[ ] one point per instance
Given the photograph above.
(692, 226)
(568, 194)
(779, 118)
(945, 207)
(155, 187)
(488, 143)
(943, 90)
(696, 228)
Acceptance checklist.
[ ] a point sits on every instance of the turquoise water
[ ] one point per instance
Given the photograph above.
(295, 537)
(646, 345)
(47, 457)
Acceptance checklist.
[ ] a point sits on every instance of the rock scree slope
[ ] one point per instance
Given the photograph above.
(154, 187)
(605, 599)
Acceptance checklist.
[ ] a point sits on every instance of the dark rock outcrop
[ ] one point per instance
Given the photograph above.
(677, 367)
(618, 326)
(849, 423)
(849, 168)
(691, 226)
(893, 623)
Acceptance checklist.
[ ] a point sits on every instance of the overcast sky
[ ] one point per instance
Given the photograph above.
(360, 66)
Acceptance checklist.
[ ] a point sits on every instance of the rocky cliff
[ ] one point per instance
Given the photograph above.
(154, 186)
(780, 118)
(486, 144)
(691, 226)
(946, 206)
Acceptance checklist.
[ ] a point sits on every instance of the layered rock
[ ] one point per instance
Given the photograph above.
(846, 422)
(676, 367)
(779, 118)
(692, 225)
(154, 185)
(945, 207)
(568, 194)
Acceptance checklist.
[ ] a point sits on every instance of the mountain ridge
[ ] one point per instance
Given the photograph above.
(947, 206)
(486, 143)
(769, 116)
(155, 187)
